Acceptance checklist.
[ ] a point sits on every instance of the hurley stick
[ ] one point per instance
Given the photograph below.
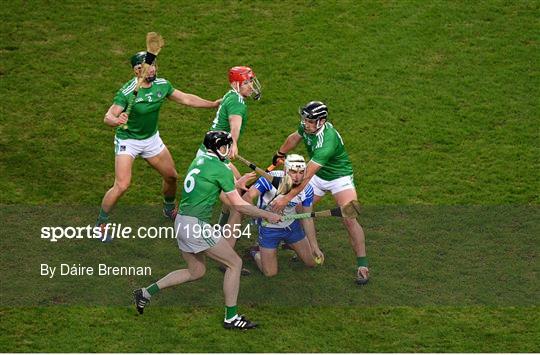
(154, 43)
(350, 210)
(286, 182)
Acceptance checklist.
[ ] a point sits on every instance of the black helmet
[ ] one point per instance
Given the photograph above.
(213, 140)
(138, 58)
(314, 110)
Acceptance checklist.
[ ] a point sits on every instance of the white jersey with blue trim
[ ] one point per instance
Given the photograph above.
(268, 192)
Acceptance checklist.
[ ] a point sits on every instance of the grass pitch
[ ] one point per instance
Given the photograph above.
(437, 104)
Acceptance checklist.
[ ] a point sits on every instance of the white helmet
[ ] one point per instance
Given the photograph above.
(296, 162)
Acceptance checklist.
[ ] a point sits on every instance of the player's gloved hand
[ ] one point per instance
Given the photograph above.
(278, 158)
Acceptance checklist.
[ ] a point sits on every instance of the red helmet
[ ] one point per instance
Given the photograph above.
(242, 74)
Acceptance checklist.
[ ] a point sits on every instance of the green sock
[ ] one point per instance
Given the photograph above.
(361, 261)
(230, 312)
(103, 217)
(223, 218)
(152, 289)
(169, 203)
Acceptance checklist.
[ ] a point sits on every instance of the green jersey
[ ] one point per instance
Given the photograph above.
(207, 176)
(143, 119)
(232, 103)
(326, 149)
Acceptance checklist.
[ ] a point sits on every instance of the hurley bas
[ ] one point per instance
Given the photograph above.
(101, 270)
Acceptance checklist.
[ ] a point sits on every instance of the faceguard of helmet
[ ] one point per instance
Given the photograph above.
(213, 140)
(138, 59)
(242, 75)
(295, 162)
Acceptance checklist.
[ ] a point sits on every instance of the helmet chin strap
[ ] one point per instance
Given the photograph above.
(236, 87)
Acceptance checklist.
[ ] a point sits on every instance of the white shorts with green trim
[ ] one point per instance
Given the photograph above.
(194, 235)
(146, 148)
(321, 186)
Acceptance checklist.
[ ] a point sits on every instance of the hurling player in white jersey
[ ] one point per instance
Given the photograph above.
(291, 232)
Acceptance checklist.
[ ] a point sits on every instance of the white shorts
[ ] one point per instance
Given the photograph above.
(146, 148)
(321, 186)
(194, 235)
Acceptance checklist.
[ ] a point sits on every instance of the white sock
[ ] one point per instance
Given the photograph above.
(231, 319)
(145, 293)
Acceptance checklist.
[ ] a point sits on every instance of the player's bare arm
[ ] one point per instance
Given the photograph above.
(309, 229)
(115, 116)
(251, 194)
(235, 171)
(192, 100)
(235, 121)
(236, 201)
(281, 201)
(244, 179)
(290, 143)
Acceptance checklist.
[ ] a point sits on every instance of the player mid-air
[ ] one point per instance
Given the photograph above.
(207, 177)
(329, 170)
(291, 232)
(138, 135)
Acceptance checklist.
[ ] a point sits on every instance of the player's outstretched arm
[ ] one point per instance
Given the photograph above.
(246, 208)
(251, 195)
(244, 180)
(281, 201)
(290, 143)
(234, 170)
(192, 100)
(309, 229)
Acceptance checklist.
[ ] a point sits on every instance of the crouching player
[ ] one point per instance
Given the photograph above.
(207, 177)
(292, 232)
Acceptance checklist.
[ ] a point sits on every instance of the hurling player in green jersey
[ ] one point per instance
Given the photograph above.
(329, 170)
(208, 176)
(232, 117)
(138, 134)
